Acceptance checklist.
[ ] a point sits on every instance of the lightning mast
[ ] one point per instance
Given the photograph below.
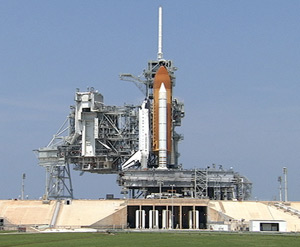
(160, 38)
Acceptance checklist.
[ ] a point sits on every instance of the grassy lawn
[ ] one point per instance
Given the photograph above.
(148, 239)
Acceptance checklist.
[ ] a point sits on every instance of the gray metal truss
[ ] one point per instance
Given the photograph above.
(117, 140)
(58, 176)
(200, 183)
(58, 182)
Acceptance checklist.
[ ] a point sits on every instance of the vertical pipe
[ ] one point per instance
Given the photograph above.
(159, 53)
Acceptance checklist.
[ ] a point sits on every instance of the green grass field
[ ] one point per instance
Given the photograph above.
(148, 239)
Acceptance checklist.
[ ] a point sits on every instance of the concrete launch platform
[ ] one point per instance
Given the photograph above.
(172, 213)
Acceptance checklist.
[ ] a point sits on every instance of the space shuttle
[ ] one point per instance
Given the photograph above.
(155, 117)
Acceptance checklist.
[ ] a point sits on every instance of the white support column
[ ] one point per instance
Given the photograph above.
(194, 219)
(166, 219)
(153, 219)
(140, 219)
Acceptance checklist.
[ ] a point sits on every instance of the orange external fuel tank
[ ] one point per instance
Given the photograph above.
(162, 76)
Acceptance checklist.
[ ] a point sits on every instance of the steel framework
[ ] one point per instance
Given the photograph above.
(115, 135)
(58, 175)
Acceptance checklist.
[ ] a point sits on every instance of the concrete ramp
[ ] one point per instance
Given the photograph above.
(243, 210)
(117, 220)
(72, 214)
(86, 212)
(26, 212)
(255, 211)
(295, 205)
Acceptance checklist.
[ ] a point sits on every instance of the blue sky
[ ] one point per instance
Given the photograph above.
(238, 77)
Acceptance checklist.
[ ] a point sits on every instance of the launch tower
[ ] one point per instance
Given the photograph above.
(138, 143)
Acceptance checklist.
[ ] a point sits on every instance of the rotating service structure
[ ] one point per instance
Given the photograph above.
(139, 143)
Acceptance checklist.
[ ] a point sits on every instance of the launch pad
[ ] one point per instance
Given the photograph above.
(138, 143)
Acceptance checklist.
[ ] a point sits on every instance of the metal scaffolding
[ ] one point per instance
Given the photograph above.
(58, 175)
(200, 181)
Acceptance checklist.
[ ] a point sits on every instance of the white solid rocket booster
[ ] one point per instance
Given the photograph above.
(162, 126)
